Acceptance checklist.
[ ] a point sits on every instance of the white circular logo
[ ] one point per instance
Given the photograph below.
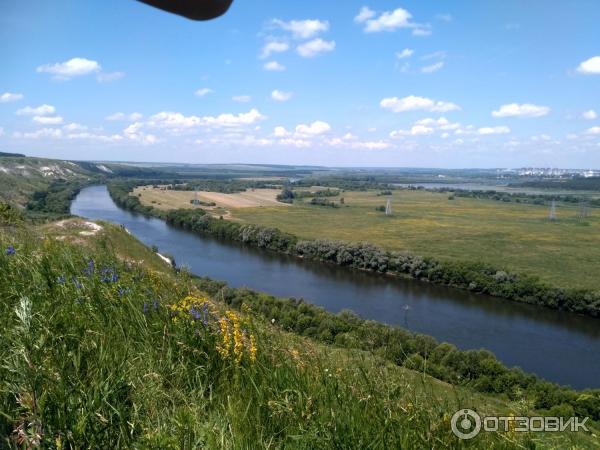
(466, 424)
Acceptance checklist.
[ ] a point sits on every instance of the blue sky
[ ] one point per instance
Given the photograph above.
(414, 83)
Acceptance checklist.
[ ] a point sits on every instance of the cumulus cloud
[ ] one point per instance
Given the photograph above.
(74, 127)
(280, 132)
(590, 66)
(108, 77)
(415, 130)
(42, 110)
(274, 47)
(314, 129)
(202, 92)
(303, 29)
(119, 116)
(74, 67)
(590, 115)
(406, 53)
(177, 121)
(281, 96)
(48, 120)
(521, 110)
(433, 67)
(10, 97)
(364, 14)
(390, 21)
(414, 103)
(241, 98)
(44, 133)
(493, 130)
(593, 130)
(274, 66)
(315, 47)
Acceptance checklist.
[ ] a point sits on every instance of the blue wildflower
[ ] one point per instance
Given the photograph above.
(89, 270)
(145, 308)
(155, 305)
(194, 313)
(78, 285)
(60, 279)
(10, 250)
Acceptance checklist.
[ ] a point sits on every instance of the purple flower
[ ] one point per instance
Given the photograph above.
(145, 308)
(10, 250)
(78, 285)
(89, 270)
(194, 313)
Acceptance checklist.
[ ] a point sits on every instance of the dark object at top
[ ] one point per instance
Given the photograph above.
(193, 9)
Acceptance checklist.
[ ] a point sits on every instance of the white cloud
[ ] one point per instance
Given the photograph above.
(593, 130)
(421, 30)
(241, 98)
(202, 92)
(389, 21)
(48, 120)
(108, 77)
(406, 53)
(51, 133)
(433, 67)
(119, 116)
(521, 110)
(314, 129)
(315, 47)
(177, 121)
(74, 67)
(590, 66)
(42, 110)
(416, 130)
(590, 115)
(74, 127)
(414, 103)
(274, 47)
(493, 130)
(364, 14)
(280, 132)
(303, 29)
(274, 66)
(281, 96)
(10, 97)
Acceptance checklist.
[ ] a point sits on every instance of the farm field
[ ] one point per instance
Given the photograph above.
(516, 237)
(170, 199)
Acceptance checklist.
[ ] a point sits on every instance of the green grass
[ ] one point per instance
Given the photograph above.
(87, 363)
(513, 236)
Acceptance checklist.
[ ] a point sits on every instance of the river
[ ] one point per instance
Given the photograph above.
(557, 346)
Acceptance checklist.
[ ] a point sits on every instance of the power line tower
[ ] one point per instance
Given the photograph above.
(388, 208)
(584, 210)
(196, 200)
(552, 215)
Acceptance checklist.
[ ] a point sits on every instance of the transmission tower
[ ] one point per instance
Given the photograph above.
(584, 210)
(388, 208)
(552, 215)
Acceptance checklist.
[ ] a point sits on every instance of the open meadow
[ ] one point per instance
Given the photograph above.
(517, 237)
(511, 236)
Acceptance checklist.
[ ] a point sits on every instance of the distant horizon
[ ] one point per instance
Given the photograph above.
(401, 84)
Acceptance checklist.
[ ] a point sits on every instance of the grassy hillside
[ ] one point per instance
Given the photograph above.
(20, 177)
(516, 237)
(104, 346)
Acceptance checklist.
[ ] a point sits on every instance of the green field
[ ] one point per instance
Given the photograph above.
(513, 236)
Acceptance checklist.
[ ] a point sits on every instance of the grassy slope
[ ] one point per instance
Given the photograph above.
(510, 235)
(88, 367)
(21, 176)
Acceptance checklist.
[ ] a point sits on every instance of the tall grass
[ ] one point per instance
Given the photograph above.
(99, 353)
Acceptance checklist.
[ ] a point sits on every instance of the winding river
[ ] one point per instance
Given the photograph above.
(559, 347)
